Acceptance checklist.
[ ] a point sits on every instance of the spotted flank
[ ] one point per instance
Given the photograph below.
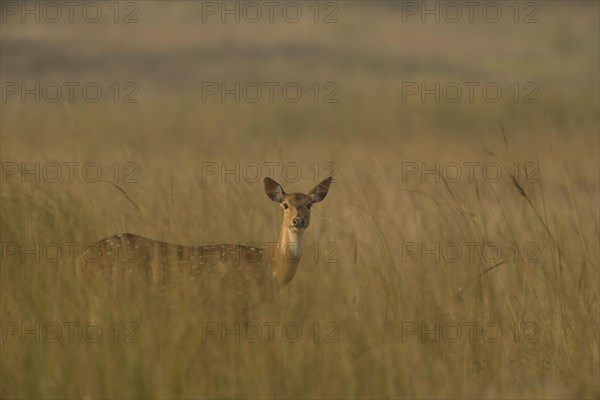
(127, 260)
(157, 262)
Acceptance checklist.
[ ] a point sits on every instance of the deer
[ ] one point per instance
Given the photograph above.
(245, 270)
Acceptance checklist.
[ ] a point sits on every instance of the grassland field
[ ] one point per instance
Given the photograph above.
(427, 272)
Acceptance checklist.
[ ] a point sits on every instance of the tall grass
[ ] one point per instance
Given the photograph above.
(374, 292)
(379, 305)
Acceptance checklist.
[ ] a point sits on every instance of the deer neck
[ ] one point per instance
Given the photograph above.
(287, 254)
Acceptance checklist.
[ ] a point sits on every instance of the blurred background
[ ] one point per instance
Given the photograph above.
(163, 98)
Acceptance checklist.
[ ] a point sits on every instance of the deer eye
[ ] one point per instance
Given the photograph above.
(285, 206)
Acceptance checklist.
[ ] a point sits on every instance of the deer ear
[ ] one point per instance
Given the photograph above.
(274, 190)
(320, 191)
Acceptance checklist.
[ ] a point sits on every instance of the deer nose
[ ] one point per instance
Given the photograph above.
(298, 221)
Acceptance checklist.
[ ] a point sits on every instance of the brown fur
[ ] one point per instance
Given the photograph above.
(128, 259)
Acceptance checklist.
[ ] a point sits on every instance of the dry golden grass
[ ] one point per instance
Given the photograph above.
(364, 300)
